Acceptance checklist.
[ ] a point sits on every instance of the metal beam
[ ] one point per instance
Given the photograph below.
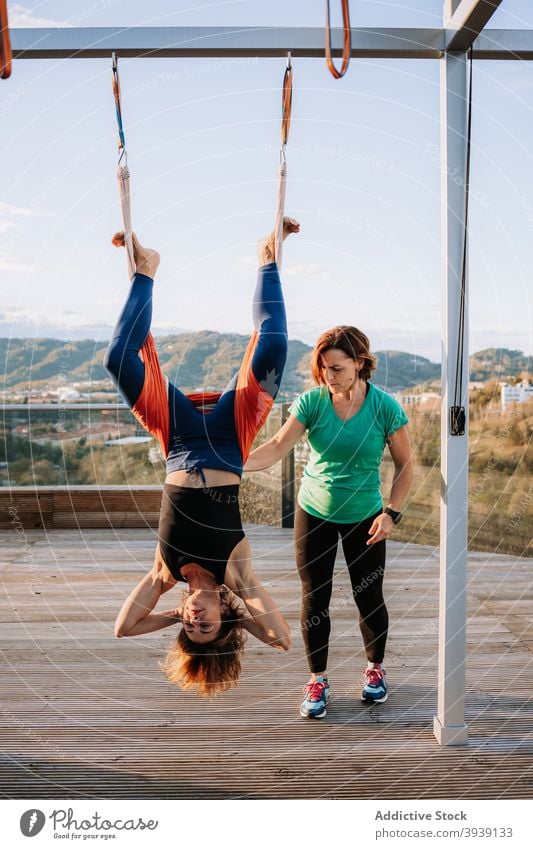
(449, 725)
(193, 42)
(465, 19)
(504, 44)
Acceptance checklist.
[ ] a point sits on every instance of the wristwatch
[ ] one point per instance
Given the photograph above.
(395, 515)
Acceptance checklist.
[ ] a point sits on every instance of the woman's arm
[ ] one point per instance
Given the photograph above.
(261, 616)
(402, 456)
(136, 616)
(276, 448)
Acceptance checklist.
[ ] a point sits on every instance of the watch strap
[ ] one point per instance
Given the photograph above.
(395, 515)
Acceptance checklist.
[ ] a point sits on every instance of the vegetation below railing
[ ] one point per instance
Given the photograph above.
(81, 451)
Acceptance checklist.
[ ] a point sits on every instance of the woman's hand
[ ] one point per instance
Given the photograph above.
(284, 643)
(380, 528)
(136, 616)
(276, 448)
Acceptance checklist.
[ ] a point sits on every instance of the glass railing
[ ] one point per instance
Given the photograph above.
(79, 445)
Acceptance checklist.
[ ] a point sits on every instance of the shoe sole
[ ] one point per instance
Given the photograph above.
(315, 715)
(375, 701)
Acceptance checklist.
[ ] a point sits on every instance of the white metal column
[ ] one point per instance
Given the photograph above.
(449, 724)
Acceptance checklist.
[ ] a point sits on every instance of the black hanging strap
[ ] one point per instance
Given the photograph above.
(457, 412)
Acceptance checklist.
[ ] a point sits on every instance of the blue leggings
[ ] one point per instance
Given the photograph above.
(127, 370)
(201, 441)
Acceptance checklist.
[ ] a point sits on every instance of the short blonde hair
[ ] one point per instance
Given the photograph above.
(209, 668)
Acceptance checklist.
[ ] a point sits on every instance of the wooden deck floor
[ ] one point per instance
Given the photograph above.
(85, 715)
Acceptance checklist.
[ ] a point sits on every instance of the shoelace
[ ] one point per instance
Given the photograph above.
(315, 690)
(373, 676)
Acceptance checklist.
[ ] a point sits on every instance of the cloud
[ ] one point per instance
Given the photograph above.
(25, 212)
(310, 270)
(13, 263)
(67, 324)
(8, 212)
(19, 16)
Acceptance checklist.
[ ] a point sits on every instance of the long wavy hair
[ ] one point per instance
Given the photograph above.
(209, 668)
(352, 341)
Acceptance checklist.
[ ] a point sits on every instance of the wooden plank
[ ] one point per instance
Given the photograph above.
(84, 714)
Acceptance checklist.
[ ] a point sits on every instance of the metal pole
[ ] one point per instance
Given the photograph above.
(287, 480)
(449, 724)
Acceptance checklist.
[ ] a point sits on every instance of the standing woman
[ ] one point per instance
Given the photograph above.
(349, 421)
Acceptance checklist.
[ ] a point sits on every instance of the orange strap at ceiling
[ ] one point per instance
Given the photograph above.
(5, 43)
(347, 46)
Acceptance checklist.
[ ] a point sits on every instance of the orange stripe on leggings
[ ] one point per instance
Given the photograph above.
(151, 408)
(252, 402)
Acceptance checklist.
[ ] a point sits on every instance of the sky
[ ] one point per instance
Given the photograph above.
(203, 148)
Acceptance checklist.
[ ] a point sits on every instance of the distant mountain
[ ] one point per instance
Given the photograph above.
(397, 370)
(34, 361)
(499, 363)
(208, 359)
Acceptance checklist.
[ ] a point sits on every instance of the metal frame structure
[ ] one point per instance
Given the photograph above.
(463, 28)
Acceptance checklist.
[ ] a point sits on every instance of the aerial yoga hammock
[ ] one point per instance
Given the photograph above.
(205, 439)
(5, 43)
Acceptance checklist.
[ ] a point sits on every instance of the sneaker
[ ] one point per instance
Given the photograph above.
(316, 699)
(375, 685)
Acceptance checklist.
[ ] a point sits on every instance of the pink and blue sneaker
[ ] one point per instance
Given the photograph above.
(316, 698)
(374, 685)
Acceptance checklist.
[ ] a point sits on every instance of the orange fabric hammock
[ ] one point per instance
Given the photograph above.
(5, 43)
(251, 408)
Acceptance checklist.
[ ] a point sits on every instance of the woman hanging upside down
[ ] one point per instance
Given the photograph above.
(205, 438)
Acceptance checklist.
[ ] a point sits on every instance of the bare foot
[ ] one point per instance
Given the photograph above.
(265, 246)
(146, 260)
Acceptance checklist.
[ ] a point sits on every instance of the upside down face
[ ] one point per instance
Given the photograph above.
(202, 615)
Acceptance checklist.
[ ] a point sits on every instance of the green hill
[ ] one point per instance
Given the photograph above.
(397, 370)
(498, 363)
(208, 359)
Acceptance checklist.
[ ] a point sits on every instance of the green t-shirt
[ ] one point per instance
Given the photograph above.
(341, 479)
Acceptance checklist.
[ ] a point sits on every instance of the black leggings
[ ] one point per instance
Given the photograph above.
(316, 543)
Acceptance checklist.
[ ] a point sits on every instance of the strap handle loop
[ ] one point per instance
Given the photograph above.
(347, 47)
(286, 111)
(123, 174)
(118, 108)
(286, 103)
(5, 43)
